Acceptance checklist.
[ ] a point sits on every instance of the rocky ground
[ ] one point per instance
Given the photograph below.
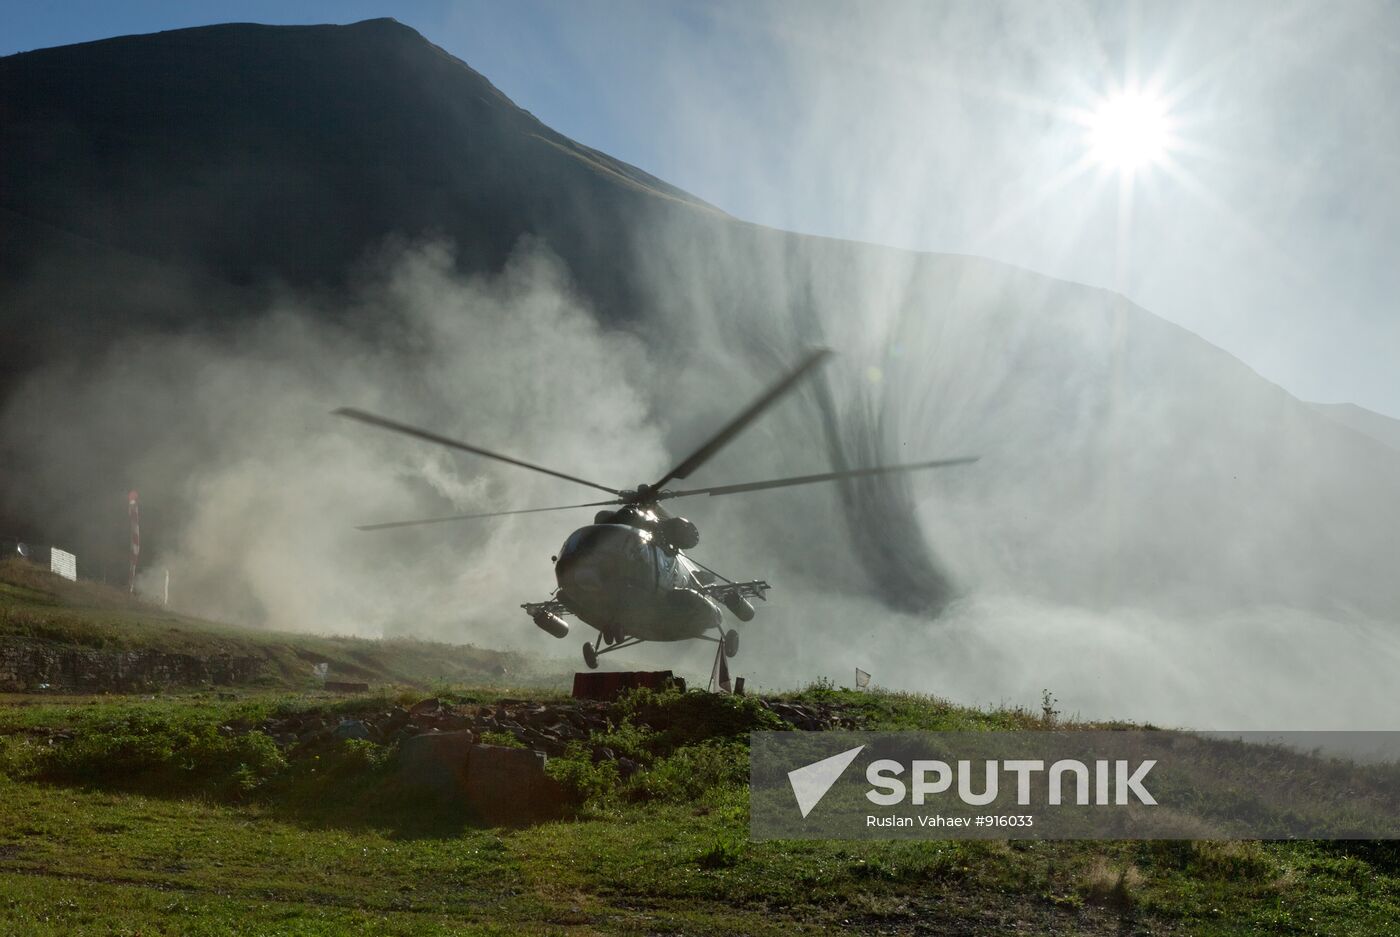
(544, 726)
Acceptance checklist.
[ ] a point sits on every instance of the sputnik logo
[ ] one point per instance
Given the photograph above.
(811, 782)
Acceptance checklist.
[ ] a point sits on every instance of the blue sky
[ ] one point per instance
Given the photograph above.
(1270, 230)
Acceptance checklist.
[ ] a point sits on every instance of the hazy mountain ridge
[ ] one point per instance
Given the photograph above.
(1383, 429)
(248, 154)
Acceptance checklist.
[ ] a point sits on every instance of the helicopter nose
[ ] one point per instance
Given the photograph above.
(580, 578)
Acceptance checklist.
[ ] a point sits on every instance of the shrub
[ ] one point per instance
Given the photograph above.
(725, 852)
(627, 740)
(690, 773)
(686, 718)
(1112, 886)
(584, 779)
(1228, 861)
(357, 756)
(503, 739)
(19, 757)
(132, 747)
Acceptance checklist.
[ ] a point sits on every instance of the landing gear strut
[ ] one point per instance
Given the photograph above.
(614, 641)
(726, 646)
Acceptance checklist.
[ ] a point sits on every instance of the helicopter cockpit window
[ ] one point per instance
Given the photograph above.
(572, 545)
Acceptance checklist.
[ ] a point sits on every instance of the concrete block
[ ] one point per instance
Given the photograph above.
(436, 762)
(508, 786)
(609, 685)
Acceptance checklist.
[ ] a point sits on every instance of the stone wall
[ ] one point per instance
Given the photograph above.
(27, 664)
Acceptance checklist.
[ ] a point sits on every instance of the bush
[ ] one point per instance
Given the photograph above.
(690, 773)
(19, 757)
(687, 718)
(1229, 861)
(503, 739)
(628, 740)
(723, 853)
(584, 779)
(357, 756)
(131, 748)
(1111, 885)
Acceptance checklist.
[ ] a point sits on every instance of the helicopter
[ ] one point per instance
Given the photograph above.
(627, 575)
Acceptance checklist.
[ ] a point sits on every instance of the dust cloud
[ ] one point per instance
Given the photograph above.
(1155, 531)
(1205, 551)
(232, 438)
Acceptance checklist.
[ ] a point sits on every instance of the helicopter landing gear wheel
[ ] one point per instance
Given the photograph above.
(731, 643)
(590, 656)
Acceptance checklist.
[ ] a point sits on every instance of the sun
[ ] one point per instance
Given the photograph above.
(1129, 131)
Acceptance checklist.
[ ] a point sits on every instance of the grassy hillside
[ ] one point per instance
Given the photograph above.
(169, 818)
(216, 812)
(37, 607)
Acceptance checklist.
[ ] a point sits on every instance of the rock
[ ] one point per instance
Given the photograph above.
(509, 786)
(436, 761)
(352, 729)
(608, 685)
(26, 662)
(430, 706)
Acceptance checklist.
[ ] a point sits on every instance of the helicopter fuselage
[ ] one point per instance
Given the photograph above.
(627, 582)
(626, 574)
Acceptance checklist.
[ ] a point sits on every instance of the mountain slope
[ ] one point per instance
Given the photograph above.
(1381, 428)
(243, 153)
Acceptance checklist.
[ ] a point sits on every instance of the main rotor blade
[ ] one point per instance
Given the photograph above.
(470, 517)
(383, 423)
(737, 425)
(823, 477)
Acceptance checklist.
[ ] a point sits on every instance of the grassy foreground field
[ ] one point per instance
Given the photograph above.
(197, 811)
(122, 816)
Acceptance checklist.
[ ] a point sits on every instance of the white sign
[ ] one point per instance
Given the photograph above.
(63, 563)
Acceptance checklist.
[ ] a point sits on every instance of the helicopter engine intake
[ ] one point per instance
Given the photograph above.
(680, 533)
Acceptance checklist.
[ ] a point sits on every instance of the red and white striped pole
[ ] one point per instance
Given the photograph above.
(134, 512)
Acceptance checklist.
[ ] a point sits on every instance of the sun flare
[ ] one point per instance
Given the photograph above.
(1129, 131)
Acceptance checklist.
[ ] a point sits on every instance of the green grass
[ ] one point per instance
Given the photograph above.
(140, 815)
(140, 819)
